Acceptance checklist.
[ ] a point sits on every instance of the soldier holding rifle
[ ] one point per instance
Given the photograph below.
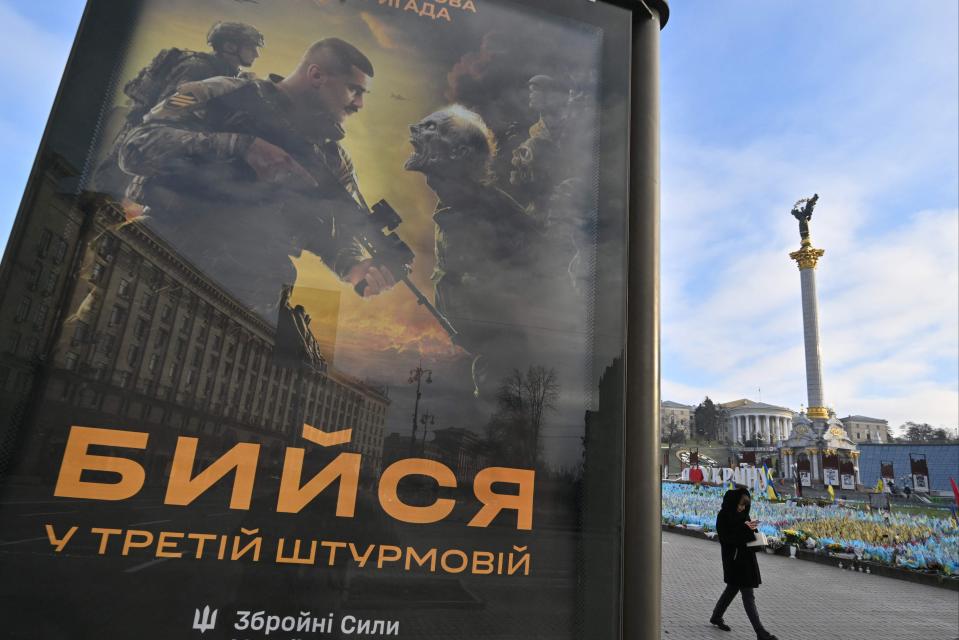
(241, 174)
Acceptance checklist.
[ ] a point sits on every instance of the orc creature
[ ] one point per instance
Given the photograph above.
(533, 164)
(481, 239)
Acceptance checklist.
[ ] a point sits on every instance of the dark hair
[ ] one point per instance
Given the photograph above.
(343, 56)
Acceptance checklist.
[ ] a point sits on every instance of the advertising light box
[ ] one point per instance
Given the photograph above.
(316, 321)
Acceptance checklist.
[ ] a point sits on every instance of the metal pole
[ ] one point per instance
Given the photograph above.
(416, 410)
(642, 550)
(417, 375)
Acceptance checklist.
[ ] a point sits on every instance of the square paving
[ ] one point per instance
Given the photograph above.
(799, 600)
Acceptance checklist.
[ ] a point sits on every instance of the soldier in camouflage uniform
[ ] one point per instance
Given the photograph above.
(240, 174)
(235, 45)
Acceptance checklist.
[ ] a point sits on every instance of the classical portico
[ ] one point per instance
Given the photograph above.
(749, 421)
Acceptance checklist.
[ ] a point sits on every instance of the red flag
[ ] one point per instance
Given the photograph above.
(955, 490)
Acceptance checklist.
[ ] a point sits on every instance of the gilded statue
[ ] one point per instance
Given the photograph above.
(802, 211)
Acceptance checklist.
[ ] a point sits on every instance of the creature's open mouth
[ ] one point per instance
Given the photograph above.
(416, 159)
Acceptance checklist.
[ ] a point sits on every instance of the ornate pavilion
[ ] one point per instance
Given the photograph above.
(820, 452)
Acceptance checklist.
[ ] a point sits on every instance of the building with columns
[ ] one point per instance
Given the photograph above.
(757, 423)
(130, 335)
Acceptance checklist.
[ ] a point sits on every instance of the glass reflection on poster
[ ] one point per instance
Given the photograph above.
(327, 331)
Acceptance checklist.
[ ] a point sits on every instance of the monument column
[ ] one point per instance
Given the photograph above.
(806, 258)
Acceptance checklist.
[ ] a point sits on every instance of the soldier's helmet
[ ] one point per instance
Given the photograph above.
(235, 32)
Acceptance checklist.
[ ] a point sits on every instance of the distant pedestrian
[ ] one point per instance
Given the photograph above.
(740, 567)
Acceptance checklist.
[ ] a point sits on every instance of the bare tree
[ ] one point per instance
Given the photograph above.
(523, 401)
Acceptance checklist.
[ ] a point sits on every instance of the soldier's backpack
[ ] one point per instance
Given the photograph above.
(147, 87)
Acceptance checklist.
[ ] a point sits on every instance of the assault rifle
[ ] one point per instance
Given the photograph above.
(377, 235)
(373, 229)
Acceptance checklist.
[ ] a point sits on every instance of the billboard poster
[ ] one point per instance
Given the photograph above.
(848, 481)
(831, 476)
(313, 320)
(920, 472)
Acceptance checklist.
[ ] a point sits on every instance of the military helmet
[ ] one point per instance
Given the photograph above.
(237, 32)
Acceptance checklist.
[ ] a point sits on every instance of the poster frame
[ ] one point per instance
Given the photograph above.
(641, 555)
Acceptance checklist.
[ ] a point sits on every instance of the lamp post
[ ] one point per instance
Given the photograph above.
(416, 375)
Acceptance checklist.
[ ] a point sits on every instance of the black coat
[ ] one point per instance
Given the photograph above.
(740, 567)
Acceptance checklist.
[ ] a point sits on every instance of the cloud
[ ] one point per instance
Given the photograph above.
(33, 57)
(387, 36)
(877, 139)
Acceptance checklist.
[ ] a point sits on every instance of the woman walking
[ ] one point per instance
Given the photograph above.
(740, 568)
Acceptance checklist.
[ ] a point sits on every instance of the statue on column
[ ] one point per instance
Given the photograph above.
(802, 211)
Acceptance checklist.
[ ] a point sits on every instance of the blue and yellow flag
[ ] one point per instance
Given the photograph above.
(832, 494)
(770, 490)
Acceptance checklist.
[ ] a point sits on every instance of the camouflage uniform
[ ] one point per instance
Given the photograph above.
(169, 69)
(156, 82)
(159, 80)
(172, 67)
(188, 158)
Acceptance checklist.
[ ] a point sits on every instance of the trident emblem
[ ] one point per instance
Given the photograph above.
(204, 620)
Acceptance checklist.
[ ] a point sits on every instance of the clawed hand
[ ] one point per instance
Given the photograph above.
(378, 279)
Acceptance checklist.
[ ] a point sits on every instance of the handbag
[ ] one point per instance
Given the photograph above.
(759, 540)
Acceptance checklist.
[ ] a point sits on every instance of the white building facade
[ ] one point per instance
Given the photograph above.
(747, 420)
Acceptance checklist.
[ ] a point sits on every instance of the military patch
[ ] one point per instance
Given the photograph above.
(181, 100)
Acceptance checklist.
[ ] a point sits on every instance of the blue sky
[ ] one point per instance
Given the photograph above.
(768, 102)
(763, 102)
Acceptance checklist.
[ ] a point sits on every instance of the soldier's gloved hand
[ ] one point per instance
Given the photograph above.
(274, 165)
(378, 279)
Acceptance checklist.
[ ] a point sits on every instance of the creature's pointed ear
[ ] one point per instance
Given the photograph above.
(460, 151)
